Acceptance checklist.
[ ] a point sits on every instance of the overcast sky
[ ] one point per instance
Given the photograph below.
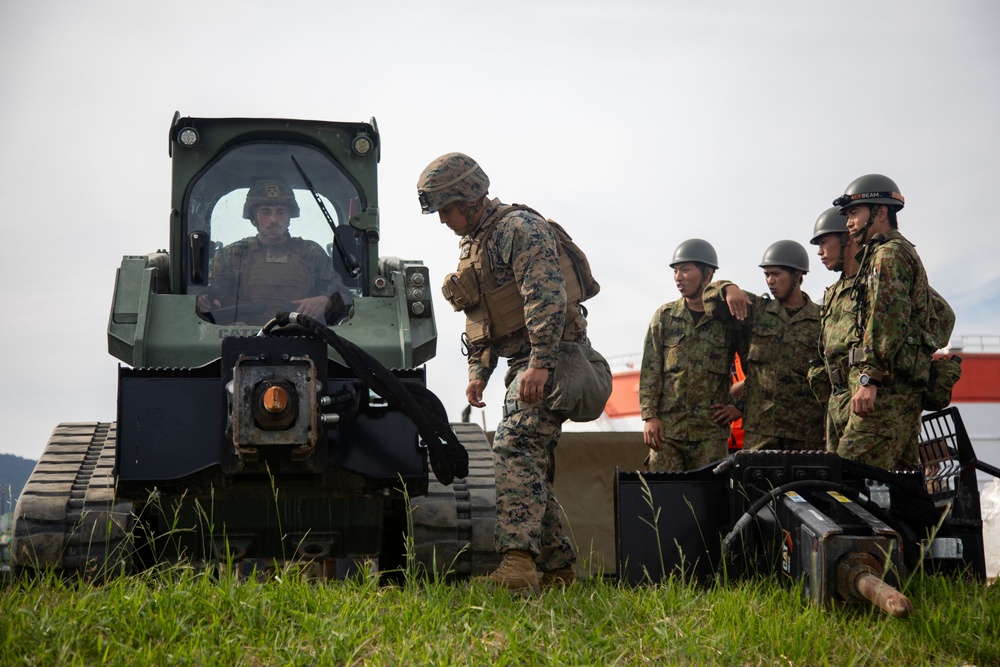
(635, 124)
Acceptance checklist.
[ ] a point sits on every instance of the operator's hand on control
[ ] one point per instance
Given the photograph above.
(863, 401)
(313, 306)
(474, 393)
(737, 390)
(205, 304)
(652, 434)
(532, 387)
(738, 302)
(724, 414)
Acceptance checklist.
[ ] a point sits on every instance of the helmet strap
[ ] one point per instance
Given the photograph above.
(862, 233)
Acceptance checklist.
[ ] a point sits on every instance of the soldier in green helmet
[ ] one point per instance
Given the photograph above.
(257, 276)
(512, 248)
(836, 249)
(889, 354)
(777, 347)
(684, 380)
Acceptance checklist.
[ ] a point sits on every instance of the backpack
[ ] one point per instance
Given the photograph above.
(945, 370)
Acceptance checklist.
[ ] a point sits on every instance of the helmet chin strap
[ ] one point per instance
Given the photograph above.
(862, 233)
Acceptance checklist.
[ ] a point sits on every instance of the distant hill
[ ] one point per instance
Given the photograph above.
(14, 471)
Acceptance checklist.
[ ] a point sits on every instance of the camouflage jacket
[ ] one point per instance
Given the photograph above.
(777, 350)
(837, 330)
(309, 271)
(522, 247)
(685, 369)
(892, 300)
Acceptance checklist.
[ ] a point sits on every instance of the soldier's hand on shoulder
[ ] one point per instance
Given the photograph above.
(738, 302)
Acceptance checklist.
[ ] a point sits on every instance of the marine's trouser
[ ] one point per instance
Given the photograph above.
(528, 515)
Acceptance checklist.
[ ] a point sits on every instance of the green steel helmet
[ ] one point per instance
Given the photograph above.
(829, 221)
(695, 250)
(871, 189)
(273, 191)
(786, 253)
(450, 178)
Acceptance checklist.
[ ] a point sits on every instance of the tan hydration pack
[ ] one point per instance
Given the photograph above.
(493, 311)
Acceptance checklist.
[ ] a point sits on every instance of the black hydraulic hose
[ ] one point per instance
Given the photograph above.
(744, 521)
(988, 469)
(447, 456)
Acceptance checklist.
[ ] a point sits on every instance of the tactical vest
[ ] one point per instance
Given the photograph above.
(493, 311)
(274, 275)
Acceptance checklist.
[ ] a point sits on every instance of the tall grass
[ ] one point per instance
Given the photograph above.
(183, 615)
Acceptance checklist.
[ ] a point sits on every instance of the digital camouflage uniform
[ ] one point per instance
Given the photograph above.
(837, 317)
(685, 369)
(777, 348)
(894, 299)
(522, 248)
(250, 272)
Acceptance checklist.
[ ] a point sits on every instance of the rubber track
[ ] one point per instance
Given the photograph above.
(453, 526)
(67, 516)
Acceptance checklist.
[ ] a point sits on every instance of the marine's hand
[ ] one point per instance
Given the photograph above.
(863, 401)
(652, 434)
(532, 387)
(474, 393)
(738, 302)
(724, 414)
(313, 306)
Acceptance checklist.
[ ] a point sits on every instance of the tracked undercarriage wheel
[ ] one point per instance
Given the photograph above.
(68, 517)
(453, 526)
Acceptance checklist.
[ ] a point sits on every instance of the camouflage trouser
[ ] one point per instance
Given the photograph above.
(528, 515)
(681, 455)
(759, 441)
(889, 438)
(838, 411)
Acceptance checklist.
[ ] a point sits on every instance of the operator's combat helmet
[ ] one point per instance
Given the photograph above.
(451, 178)
(271, 191)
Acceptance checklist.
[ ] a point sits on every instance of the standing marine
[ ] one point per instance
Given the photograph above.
(519, 305)
(685, 377)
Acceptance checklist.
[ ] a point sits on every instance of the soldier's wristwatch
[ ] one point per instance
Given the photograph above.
(866, 380)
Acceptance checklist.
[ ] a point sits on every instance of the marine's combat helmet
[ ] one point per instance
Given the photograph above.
(450, 178)
(870, 189)
(695, 250)
(271, 191)
(786, 253)
(830, 221)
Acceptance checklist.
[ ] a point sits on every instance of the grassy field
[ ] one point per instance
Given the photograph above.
(184, 616)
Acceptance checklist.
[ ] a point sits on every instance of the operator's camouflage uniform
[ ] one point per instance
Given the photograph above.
(894, 298)
(834, 344)
(522, 247)
(250, 272)
(777, 348)
(685, 369)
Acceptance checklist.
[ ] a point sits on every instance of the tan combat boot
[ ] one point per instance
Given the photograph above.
(560, 578)
(516, 573)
